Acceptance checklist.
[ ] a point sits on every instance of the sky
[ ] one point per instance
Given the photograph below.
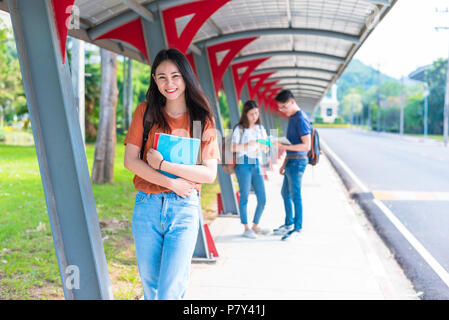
(405, 39)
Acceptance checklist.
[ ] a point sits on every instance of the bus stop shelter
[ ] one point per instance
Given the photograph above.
(249, 49)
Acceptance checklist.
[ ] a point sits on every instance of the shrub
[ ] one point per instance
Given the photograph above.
(339, 120)
(319, 120)
(2, 135)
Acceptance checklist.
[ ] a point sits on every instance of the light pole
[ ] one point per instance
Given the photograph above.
(426, 108)
(378, 99)
(446, 101)
(446, 95)
(446, 107)
(420, 75)
(401, 116)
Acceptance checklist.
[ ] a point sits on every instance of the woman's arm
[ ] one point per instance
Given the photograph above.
(240, 147)
(134, 164)
(203, 173)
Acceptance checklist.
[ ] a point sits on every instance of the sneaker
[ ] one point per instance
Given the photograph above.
(249, 234)
(262, 231)
(282, 230)
(291, 234)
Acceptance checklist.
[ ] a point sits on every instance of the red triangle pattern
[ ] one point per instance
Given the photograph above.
(131, 33)
(202, 10)
(239, 81)
(218, 70)
(61, 16)
(252, 90)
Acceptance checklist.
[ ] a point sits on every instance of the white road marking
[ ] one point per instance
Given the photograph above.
(431, 261)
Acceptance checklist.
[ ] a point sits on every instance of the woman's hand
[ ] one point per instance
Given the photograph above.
(182, 187)
(154, 158)
(282, 170)
(252, 143)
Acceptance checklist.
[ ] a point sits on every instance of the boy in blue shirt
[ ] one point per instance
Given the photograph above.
(299, 134)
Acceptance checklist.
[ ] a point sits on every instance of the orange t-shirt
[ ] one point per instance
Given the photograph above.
(179, 126)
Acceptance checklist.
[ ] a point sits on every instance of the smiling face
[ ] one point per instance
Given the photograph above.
(253, 116)
(169, 80)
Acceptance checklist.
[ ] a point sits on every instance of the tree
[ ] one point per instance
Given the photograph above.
(351, 105)
(413, 114)
(92, 96)
(436, 80)
(224, 110)
(103, 167)
(12, 95)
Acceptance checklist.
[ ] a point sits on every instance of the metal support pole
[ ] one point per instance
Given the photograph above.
(446, 108)
(262, 116)
(78, 81)
(378, 100)
(231, 98)
(269, 119)
(60, 152)
(129, 96)
(126, 120)
(272, 126)
(154, 35)
(352, 112)
(426, 109)
(226, 185)
(401, 116)
(245, 95)
(369, 118)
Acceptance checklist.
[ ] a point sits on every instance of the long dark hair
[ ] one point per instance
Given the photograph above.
(249, 105)
(197, 102)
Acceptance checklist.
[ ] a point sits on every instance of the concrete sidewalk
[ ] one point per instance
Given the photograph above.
(337, 256)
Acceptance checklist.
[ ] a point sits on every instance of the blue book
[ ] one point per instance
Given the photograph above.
(181, 150)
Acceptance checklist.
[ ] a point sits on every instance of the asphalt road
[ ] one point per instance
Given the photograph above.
(411, 177)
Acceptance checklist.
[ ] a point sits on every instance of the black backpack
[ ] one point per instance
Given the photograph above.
(315, 150)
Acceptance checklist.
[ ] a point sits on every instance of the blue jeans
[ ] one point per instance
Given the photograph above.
(165, 229)
(291, 191)
(249, 172)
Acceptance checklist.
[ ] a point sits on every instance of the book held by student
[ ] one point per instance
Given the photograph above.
(176, 149)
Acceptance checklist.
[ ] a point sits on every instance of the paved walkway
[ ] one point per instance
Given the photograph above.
(338, 255)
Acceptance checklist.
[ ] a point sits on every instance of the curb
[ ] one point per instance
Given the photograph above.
(417, 270)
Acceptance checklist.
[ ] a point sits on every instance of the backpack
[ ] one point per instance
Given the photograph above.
(315, 150)
(229, 158)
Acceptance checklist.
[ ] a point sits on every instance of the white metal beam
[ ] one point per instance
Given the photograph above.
(139, 9)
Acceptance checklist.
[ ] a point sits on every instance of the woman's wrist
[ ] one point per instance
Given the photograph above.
(160, 164)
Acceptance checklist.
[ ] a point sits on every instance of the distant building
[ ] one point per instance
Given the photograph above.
(329, 105)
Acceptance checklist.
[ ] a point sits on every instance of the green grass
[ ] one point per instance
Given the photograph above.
(331, 125)
(430, 136)
(28, 264)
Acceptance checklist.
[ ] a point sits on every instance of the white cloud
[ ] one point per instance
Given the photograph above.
(407, 39)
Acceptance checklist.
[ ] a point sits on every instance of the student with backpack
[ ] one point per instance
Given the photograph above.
(248, 165)
(299, 134)
(165, 220)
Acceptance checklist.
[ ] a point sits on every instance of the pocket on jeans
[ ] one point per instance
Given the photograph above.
(191, 201)
(140, 197)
